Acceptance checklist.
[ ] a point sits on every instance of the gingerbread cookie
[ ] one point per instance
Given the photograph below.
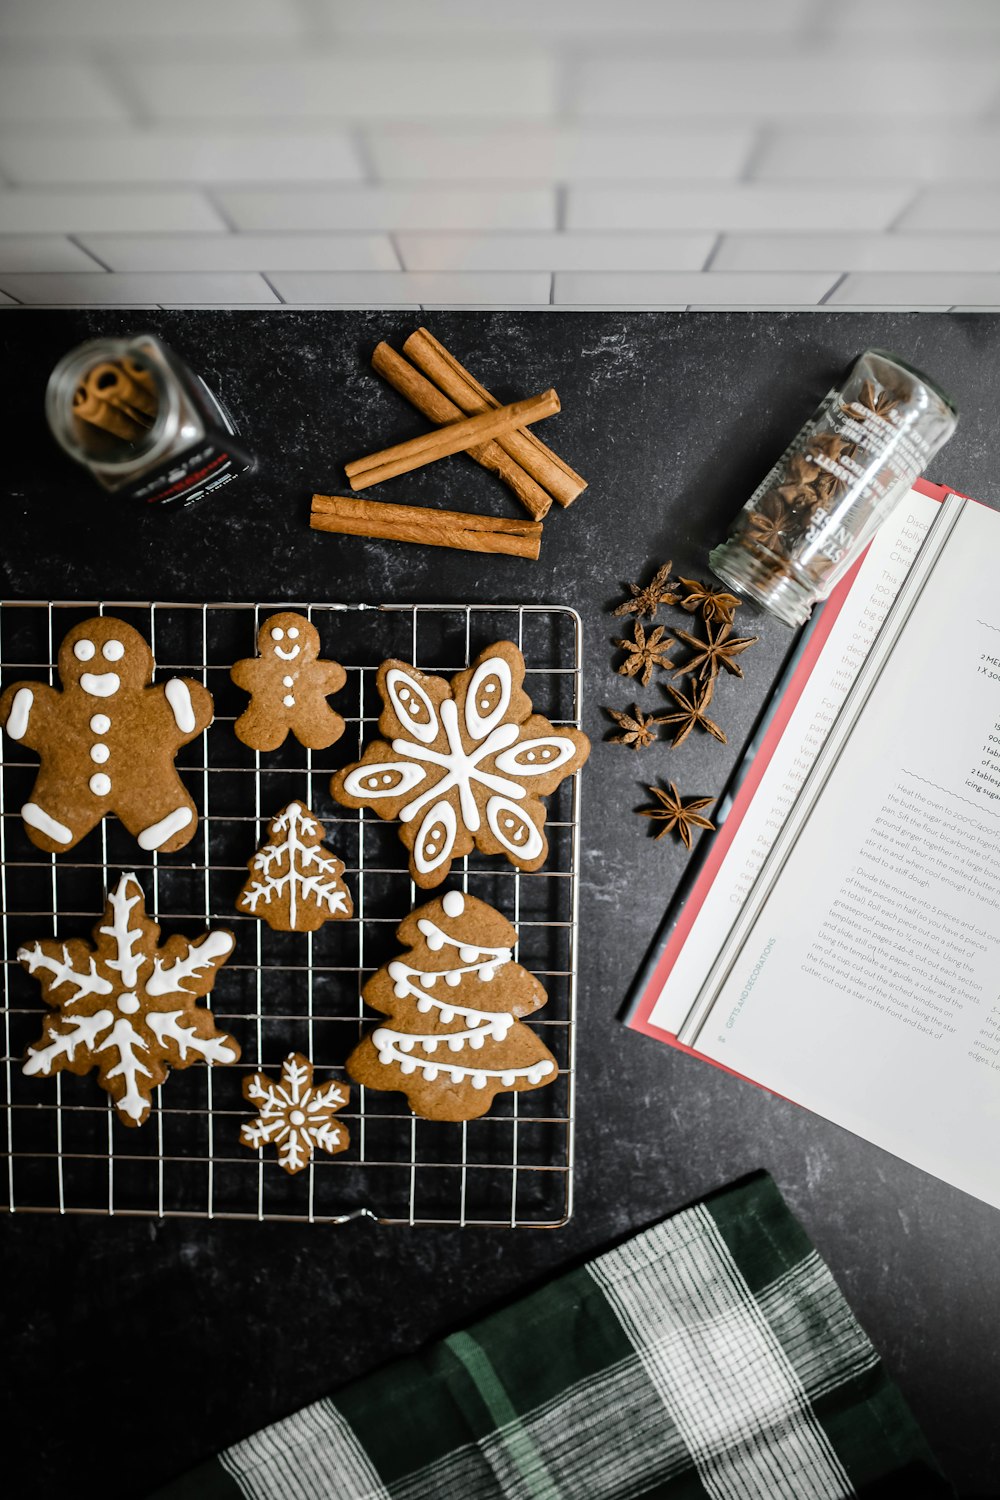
(295, 1115)
(125, 1005)
(454, 1003)
(288, 685)
(107, 741)
(295, 883)
(467, 764)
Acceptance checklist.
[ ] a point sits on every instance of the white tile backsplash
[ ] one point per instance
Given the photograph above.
(426, 288)
(708, 288)
(147, 156)
(422, 152)
(243, 252)
(167, 290)
(356, 208)
(741, 206)
(76, 211)
(554, 252)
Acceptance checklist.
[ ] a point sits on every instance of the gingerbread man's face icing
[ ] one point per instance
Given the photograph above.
(288, 638)
(102, 656)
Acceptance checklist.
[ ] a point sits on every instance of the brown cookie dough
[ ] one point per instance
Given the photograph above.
(455, 1039)
(107, 741)
(466, 764)
(288, 685)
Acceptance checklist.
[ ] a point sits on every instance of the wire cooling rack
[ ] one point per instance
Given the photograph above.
(65, 1150)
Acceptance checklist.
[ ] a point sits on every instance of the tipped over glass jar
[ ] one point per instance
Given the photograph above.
(820, 505)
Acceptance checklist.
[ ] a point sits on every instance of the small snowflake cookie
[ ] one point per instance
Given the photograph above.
(127, 1006)
(466, 764)
(288, 685)
(107, 741)
(295, 1114)
(295, 883)
(455, 1037)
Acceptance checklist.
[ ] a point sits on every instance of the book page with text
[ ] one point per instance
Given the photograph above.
(868, 989)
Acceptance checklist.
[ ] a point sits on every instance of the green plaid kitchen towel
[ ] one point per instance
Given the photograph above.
(712, 1355)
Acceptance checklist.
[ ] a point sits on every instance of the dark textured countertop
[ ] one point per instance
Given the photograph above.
(182, 1336)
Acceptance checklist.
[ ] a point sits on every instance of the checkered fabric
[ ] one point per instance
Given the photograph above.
(712, 1355)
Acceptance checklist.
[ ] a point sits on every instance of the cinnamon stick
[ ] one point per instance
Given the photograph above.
(430, 446)
(349, 516)
(436, 406)
(551, 472)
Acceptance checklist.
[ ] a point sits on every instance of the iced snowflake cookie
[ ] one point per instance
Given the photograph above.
(107, 741)
(295, 883)
(467, 764)
(455, 1039)
(288, 685)
(295, 1114)
(126, 1006)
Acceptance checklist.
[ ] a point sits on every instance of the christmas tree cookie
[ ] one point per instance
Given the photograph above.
(288, 685)
(295, 883)
(126, 1006)
(454, 1039)
(463, 764)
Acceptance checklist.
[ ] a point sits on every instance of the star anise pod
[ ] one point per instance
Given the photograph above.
(646, 601)
(880, 401)
(714, 604)
(645, 653)
(773, 520)
(832, 445)
(637, 726)
(827, 487)
(677, 815)
(718, 650)
(692, 713)
(800, 470)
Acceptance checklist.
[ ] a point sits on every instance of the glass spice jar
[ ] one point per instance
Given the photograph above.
(820, 505)
(147, 427)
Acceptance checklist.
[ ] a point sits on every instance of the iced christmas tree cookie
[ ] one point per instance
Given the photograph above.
(288, 685)
(126, 1006)
(466, 764)
(107, 741)
(295, 883)
(454, 1038)
(295, 1114)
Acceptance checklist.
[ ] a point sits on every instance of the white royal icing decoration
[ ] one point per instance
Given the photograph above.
(535, 757)
(113, 650)
(100, 684)
(287, 681)
(461, 769)
(407, 698)
(288, 701)
(84, 650)
(453, 903)
(99, 754)
(20, 709)
(436, 839)
(158, 833)
(479, 723)
(389, 778)
(287, 655)
(178, 695)
(37, 817)
(397, 1047)
(100, 723)
(505, 821)
(100, 784)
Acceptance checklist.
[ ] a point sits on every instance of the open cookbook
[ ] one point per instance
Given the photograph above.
(839, 943)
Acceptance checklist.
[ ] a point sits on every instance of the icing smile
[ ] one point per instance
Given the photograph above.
(287, 655)
(100, 684)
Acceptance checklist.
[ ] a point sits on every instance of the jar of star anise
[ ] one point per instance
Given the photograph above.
(818, 508)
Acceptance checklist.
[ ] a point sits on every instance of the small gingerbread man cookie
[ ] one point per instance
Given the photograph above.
(288, 685)
(107, 741)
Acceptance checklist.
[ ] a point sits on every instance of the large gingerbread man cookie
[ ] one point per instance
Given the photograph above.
(107, 741)
(288, 685)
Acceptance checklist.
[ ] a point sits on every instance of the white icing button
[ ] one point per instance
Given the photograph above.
(277, 634)
(128, 1004)
(296, 1117)
(83, 650)
(287, 681)
(293, 634)
(100, 784)
(453, 903)
(288, 701)
(99, 753)
(100, 723)
(113, 650)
